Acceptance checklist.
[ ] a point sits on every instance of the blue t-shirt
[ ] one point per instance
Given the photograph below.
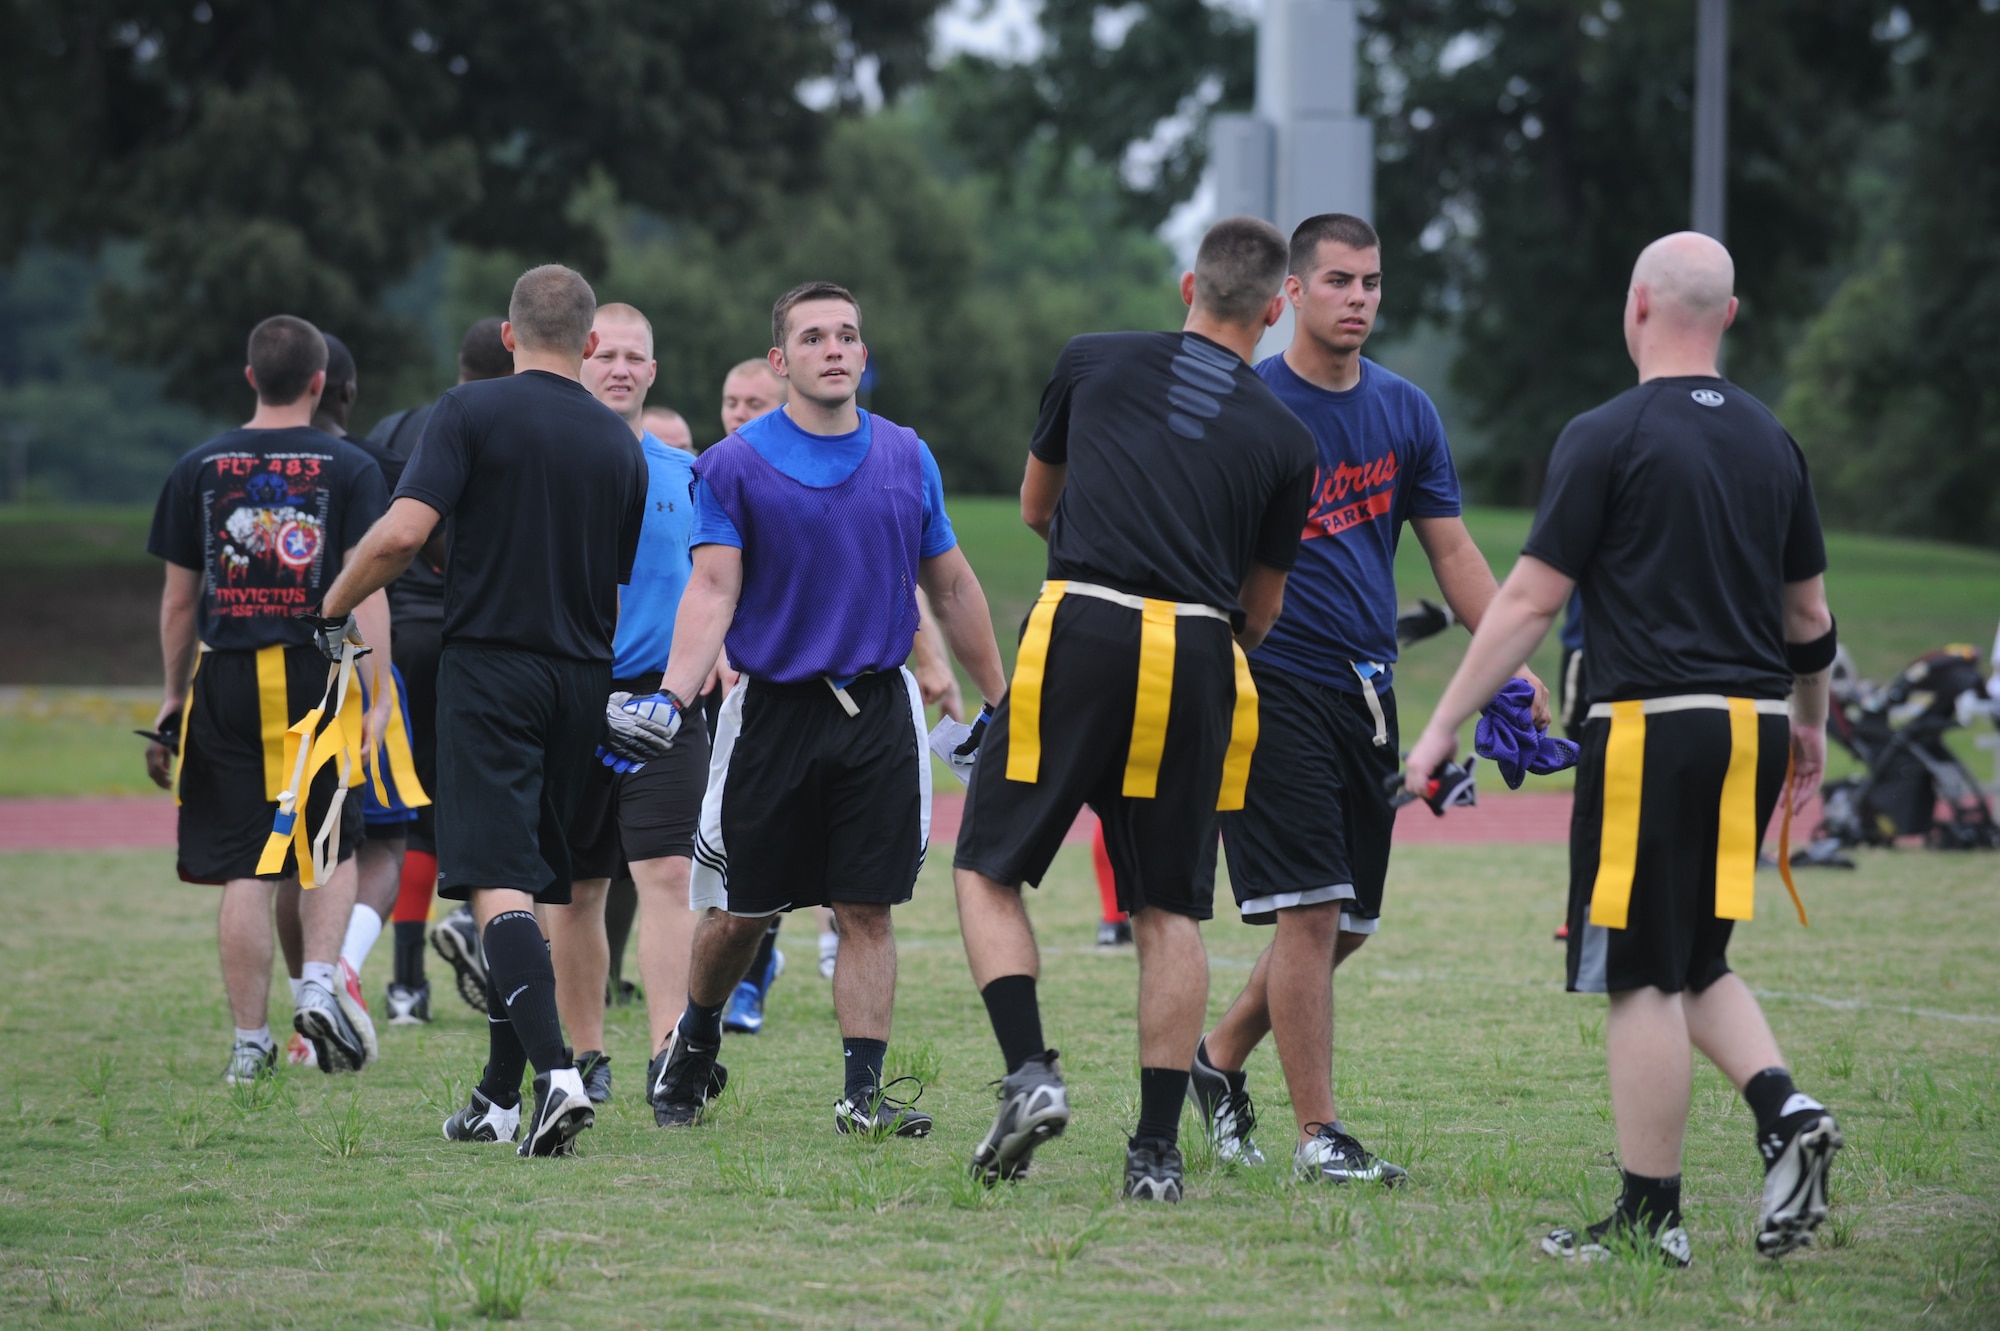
(1382, 460)
(820, 460)
(649, 603)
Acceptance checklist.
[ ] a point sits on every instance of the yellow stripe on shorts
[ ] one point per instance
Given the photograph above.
(1024, 691)
(273, 706)
(1155, 697)
(1618, 841)
(187, 717)
(1736, 839)
(1242, 737)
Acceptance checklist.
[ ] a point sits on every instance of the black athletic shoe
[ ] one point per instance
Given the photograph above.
(1602, 1240)
(681, 1080)
(1152, 1170)
(483, 1121)
(595, 1069)
(408, 1005)
(1797, 1154)
(1225, 1112)
(337, 1045)
(456, 939)
(881, 1114)
(1114, 935)
(1034, 1106)
(1332, 1155)
(561, 1111)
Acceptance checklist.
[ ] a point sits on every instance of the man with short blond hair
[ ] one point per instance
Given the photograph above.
(749, 390)
(669, 427)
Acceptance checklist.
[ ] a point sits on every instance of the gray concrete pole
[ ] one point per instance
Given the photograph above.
(1711, 116)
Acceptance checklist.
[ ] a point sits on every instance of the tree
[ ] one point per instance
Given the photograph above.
(305, 157)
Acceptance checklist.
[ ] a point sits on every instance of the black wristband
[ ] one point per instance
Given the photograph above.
(675, 699)
(1809, 658)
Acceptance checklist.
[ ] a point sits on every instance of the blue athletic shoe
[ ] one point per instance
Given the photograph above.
(745, 1013)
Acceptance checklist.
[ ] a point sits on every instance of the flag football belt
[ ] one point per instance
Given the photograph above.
(273, 718)
(1736, 828)
(392, 768)
(1155, 692)
(307, 750)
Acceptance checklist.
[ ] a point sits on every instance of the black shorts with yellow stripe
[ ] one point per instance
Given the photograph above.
(1130, 710)
(1672, 799)
(232, 762)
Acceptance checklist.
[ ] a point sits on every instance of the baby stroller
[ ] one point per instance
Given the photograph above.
(1897, 731)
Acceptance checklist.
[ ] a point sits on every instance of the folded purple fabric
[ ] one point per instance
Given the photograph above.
(1507, 734)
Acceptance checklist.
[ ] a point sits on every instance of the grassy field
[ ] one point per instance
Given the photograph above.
(135, 1190)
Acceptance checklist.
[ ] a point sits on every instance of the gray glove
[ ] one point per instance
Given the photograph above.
(330, 633)
(638, 730)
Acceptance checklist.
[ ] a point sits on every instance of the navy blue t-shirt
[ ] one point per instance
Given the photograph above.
(1382, 460)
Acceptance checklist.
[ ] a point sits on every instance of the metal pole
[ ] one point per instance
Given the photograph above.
(1711, 116)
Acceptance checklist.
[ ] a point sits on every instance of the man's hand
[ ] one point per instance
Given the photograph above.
(1540, 712)
(1808, 764)
(164, 740)
(939, 684)
(1434, 749)
(638, 730)
(720, 676)
(330, 631)
(378, 726)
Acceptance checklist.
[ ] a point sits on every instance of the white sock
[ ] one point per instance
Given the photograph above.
(829, 944)
(261, 1037)
(364, 926)
(297, 984)
(569, 1079)
(319, 973)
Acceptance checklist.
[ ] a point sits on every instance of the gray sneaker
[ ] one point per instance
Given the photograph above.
(1034, 1106)
(249, 1062)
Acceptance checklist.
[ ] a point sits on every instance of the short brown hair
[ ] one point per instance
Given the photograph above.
(1342, 228)
(1239, 267)
(781, 313)
(285, 353)
(483, 355)
(552, 309)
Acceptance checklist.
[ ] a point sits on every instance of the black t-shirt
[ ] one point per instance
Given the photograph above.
(544, 491)
(1682, 508)
(419, 593)
(266, 516)
(1183, 468)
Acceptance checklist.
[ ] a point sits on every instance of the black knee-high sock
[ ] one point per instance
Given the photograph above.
(517, 960)
(761, 967)
(1161, 1091)
(505, 1059)
(621, 907)
(1016, 1018)
(409, 952)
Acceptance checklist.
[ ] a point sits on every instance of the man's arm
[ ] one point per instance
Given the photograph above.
(1466, 580)
(960, 605)
(1514, 624)
(1263, 600)
(935, 677)
(178, 646)
(1040, 488)
(708, 607)
(372, 617)
(381, 557)
(1807, 619)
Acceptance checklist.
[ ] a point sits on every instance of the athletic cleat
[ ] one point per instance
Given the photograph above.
(1332, 1155)
(595, 1069)
(562, 1110)
(1034, 1106)
(745, 1014)
(1601, 1241)
(299, 1054)
(407, 1005)
(483, 1121)
(322, 1020)
(1114, 935)
(883, 1115)
(681, 1080)
(1797, 1155)
(355, 1009)
(248, 1062)
(456, 939)
(1225, 1110)
(1152, 1171)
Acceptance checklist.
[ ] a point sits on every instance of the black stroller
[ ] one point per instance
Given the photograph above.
(1897, 731)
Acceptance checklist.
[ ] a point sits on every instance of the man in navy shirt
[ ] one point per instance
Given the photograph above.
(1310, 847)
(814, 525)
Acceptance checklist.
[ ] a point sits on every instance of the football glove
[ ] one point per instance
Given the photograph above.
(958, 743)
(1450, 786)
(330, 632)
(638, 730)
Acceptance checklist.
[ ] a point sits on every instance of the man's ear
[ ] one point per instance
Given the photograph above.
(250, 377)
(775, 358)
(1187, 289)
(1274, 310)
(590, 345)
(1729, 316)
(507, 336)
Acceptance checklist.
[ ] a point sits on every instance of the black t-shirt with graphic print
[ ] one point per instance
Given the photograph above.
(265, 516)
(1682, 508)
(1183, 468)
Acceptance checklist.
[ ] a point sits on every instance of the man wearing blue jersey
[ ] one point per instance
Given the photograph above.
(644, 819)
(814, 526)
(1309, 850)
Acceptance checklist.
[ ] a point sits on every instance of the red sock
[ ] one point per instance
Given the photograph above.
(1107, 884)
(413, 892)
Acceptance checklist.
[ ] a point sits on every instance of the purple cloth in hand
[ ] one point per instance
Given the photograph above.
(1507, 734)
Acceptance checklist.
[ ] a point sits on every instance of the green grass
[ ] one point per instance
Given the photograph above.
(58, 742)
(136, 1190)
(72, 535)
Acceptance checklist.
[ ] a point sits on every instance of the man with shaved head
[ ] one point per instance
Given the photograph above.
(1684, 512)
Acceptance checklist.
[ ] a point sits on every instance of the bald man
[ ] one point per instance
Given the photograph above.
(1684, 512)
(750, 389)
(669, 427)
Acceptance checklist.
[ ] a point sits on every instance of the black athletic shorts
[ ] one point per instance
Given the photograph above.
(517, 735)
(808, 806)
(1162, 849)
(1572, 692)
(416, 644)
(234, 760)
(1315, 825)
(642, 815)
(1672, 939)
